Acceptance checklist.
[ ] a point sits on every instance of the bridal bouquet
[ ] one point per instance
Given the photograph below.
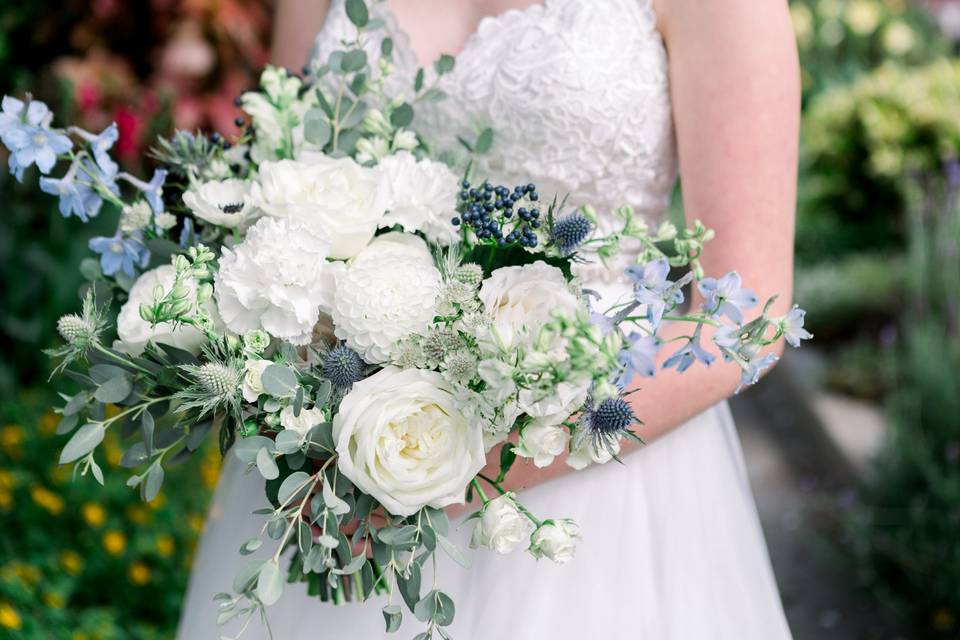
(361, 326)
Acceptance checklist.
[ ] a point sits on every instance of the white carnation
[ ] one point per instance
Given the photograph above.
(422, 196)
(276, 280)
(524, 298)
(221, 202)
(502, 527)
(387, 293)
(134, 332)
(342, 199)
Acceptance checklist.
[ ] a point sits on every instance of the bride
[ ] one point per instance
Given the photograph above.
(602, 100)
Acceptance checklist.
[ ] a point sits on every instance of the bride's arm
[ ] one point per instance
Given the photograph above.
(295, 25)
(735, 89)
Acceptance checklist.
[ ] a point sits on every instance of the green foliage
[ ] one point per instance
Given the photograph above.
(83, 561)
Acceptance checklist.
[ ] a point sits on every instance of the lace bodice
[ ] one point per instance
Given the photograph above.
(576, 91)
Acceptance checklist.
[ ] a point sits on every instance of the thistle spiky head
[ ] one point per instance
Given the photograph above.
(342, 366)
(76, 331)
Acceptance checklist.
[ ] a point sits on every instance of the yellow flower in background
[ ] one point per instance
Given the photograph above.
(6, 480)
(11, 437)
(195, 522)
(165, 546)
(138, 514)
(943, 620)
(158, 502)
(898, 38)
(112, 411)
(60, 474)
(6, 501)
(48, 423)
(832, 33)
(9, 618)
(114, 542)
(93, 514)
(53, 600)
(210, 468)
(112, 451)
(79, 635)
(863, 16)
(28, 573)
(46, 499)
(139, 574)
(71, 562)
(802, 20)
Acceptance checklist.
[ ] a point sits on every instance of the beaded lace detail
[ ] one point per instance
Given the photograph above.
(576, 91)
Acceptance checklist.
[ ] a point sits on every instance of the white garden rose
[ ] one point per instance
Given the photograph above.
(387, 293)
(222, 202)
(134, 332)
(402, 438)
(342, 199)
(301, 424)
(252, 385)
(277, 280)
(585, 455)
(422, 196)
(524, 298)
(556, 540)
(502, 527)
(543, 442)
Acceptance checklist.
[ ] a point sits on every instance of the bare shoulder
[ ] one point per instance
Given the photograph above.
(740, 17)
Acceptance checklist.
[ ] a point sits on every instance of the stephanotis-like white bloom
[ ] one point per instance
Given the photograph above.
(225, 203)
(422, 196)
(556, 540)
(277, 280)
(387, 293)
(524, 298)
(134, 332)
(402, 437)
(252, 385)
(342, 199)
(502, 527)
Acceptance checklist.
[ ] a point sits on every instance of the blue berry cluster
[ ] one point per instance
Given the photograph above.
(568, 232)
(489, 212)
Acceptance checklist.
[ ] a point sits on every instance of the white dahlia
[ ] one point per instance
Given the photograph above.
(422, 196)
(387, 293)
(276, 280)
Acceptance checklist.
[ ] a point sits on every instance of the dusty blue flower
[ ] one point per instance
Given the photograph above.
(688, 354)
(187, 237)
(637, 359)
(100, 146)
(726, 296)
(651, 288)
(792, 327)
(753, 367)
(120, 254)
(30, 145)
(153, 190)
(75, 199)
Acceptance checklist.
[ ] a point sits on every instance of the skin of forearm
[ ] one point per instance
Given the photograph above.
(295, 25)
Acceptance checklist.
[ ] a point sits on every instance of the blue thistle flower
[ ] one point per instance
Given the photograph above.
(342, 366)
(570, 231)
(604, 424)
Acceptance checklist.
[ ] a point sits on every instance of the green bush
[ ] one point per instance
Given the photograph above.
(82, 562)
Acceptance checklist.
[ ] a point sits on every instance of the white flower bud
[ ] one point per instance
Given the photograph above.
(555, 540)
(502, 527)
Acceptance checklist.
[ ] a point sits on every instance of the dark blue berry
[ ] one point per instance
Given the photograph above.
(456, 222)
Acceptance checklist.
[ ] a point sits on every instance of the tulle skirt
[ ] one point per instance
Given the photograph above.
(672, 550)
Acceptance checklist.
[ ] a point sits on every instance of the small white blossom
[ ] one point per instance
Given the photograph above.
(166, 221)
(502, 527)
(555, 540)
(252, 385)
(135, 216)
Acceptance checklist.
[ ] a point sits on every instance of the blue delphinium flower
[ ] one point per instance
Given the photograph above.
(153, 191)
(651, 288)
(100, 146)
(120, 254)
(753, 366)
(688, 354)
(725, 296)
(187, 237)
(637, 359)
(792, 327)
(25, 131)
(75, 199)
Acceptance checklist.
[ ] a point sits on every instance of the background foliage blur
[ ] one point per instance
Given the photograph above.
(878, 239)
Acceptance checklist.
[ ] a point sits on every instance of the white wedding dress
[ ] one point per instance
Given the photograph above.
(577, 91)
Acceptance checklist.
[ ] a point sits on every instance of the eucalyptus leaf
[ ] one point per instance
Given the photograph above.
(267, 465)
(316, 127)
(322, 436)
(76, 403)
(444, 64)
(198, 433)
(402, 116)
(67, 424)
(445, 610)
(426, 608)
(154, 481)
(357, 12)
(82, 442)
(386, 49)
(484, 140)
(250, 546)
(279, 380)
(96, 471)
(114, 390)
(410, 586)
(293, 484)
(247, 449)
(147, 425)
(392, 616)
(338, 506)
(324, 390)
(90, 269)
(100, 373)
(135, 456)
(354, 60)
(288, 441)
(453, 551)
(356, 564)
(418, 80)
(270, 583)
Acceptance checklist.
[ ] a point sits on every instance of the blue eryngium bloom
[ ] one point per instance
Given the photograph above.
(651, 288)
(24, 130)
(725, 296)
(792, 327)
(637, 359)
(75, 199)
(120, 254)
(688, 354)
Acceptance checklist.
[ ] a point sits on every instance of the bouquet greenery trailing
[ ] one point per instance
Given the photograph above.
(361, 325)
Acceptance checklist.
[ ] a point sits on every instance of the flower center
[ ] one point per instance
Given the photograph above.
(40, 139)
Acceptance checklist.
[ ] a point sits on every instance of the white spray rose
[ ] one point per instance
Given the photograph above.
(337, 196)
(422, 196)
(585, 455)
(222, 202)
(402, 438)
(252, 385)
(556, 540)
(524, 298)
(502, 527)
(134, 332)
(308, 419)
(543, 442)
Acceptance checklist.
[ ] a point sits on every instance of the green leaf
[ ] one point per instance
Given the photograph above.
(444, 610)
(392, 616)
(100, 373)
(250, 546)
(154, 481)
(288, 441)
(410, 587)
(354, 60)
(90, 269)
(402, 116)
(291, 485)
(324, 390)
(398, 536)
(418, 80)
(147, 425)
(451, 550)
(358, 13)
(356, 564)
(198, 432)
(507, 457)
(114, 390)
(484, 140)
(96, 471)
(322, 436)
(77, 403)
(246, 577)
(426, 608)
(270, 583)
(248, 448)
(386, 50)
(83, 442)
(444, 64)
(135, 456)
(67, 424)
(316, 127)
(267, 465)
(279, 380)
(338, 506)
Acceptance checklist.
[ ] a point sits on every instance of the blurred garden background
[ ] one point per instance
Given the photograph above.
(853, 443)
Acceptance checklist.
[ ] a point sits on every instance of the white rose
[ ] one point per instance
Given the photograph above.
(308, 419)
(341, 198)
(524, 298)
(543, 442)
(585, 455)
(252, 385)
(221, 202)
(501, 527)
(422, 196)
(402, 438)
(134, 332)
(555, 540)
